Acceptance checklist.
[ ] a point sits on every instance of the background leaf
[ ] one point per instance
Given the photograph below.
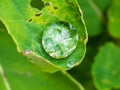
(103, 5)
(106, 68)
(114, 19)
(94, 15)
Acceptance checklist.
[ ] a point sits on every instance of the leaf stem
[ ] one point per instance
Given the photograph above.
(74, 80)
(98, 11)
(4, 78)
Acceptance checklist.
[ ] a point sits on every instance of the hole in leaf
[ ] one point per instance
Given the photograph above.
(55, 7)
(30, 20)
(47, 4)
(37, 4)
(37, 15)
(52, 13)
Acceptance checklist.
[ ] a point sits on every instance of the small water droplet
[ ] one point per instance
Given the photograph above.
(70, 64)
(27, 52)
(72, 27)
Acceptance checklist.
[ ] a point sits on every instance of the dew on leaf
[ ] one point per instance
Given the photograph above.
(59, 40)
(70, 64)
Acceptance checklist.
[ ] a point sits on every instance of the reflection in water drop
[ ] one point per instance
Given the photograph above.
(70, 64)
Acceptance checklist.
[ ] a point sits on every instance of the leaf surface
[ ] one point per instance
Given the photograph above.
(16, 73)
(106, 68)
(114, 19)
(26, 25)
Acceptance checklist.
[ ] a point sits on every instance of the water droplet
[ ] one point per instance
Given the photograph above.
(27, 52)
(59, 40)
(70, 64)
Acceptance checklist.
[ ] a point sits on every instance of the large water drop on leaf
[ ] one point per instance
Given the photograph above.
(60, 39)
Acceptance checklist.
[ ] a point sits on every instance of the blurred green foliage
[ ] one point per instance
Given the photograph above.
(101, 66)
(100, 69)
(106, 69)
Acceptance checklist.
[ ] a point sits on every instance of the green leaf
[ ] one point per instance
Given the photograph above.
(26, 25)
(94, 15)
(91, 16)
(114, 19)
(2, 86)
(16, 73)
(102, 4)
(106, 68)
(2, 27)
